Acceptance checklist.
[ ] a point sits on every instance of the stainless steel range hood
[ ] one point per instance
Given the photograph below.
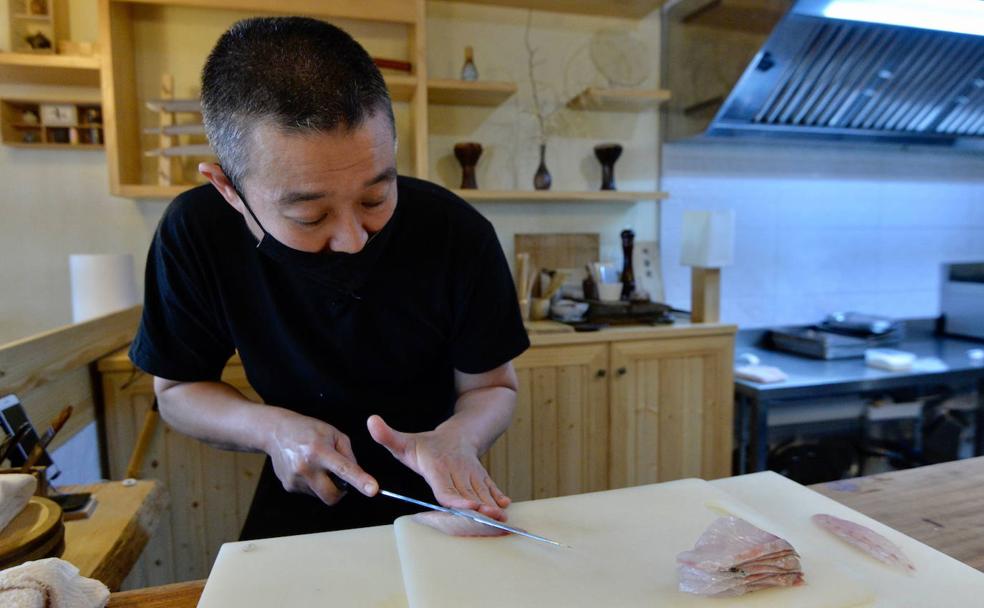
(819, 78)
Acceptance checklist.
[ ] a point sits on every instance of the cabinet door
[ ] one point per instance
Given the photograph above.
(672, 410)
(557, 443)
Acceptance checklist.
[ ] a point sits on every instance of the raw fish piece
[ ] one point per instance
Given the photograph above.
(865, 539)
(731, 541)
(454, 525)
(733, 557)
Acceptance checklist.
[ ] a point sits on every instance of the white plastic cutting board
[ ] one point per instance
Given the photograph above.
(362, 567)
(347, 568)
(624, 551)
(939, 582)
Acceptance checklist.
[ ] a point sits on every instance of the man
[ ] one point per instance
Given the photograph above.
(374, 314)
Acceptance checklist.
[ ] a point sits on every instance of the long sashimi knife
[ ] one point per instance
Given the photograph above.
(475, 517)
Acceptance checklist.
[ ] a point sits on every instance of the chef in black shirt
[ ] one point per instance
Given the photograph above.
(373, 313)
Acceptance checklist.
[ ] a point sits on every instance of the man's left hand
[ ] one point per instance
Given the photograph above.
(448, 463)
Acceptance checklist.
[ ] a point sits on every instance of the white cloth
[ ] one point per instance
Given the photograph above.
(15, 492)
(50, 583)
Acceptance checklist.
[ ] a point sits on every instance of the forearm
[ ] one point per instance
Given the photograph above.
(216, 413)
(481, 415)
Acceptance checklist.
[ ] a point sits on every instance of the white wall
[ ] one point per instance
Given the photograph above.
(826, 228)
(508, 133)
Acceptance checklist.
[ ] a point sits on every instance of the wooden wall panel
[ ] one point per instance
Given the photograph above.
(210, 490)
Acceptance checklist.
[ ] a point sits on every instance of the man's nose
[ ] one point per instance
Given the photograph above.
(349, 237)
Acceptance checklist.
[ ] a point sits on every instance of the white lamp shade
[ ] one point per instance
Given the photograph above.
(708, 238)
(101, 284)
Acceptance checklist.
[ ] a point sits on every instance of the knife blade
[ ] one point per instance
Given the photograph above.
(475, 517)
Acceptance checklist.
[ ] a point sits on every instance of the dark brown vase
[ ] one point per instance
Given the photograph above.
(468, 154)
(607, 154)
(542, 179)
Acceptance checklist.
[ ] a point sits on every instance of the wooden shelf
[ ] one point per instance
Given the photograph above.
(606, 196)
(402, 87)
(49, 146)
(153, 190)
(31, 68)
(27, 17)
(632, 9)
(466, 93)
(618, 100)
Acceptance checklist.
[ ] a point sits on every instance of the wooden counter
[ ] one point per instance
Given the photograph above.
(938, 505)
(106, 545)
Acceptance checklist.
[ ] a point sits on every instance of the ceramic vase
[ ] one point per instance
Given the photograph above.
(542, 179)
(468, 154)
(607, 154)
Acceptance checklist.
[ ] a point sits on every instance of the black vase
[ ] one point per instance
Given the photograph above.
(607, 154)
(542, 179)
(468, 154)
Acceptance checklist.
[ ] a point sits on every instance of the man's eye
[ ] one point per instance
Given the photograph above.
(303, 222)
(373, 204)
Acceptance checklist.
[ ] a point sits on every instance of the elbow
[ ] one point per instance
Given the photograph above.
(166, 392)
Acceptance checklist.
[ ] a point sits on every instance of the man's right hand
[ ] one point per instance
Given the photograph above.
(305, 450)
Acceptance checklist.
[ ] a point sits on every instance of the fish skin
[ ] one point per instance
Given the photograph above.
(454, 525)
(866, 540)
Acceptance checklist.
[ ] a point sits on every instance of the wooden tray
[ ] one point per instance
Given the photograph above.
(36, 529)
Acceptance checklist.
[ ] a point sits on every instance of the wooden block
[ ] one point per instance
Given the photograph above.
(705, 292)
(559, 250)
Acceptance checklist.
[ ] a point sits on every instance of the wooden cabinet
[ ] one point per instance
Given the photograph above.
(671, 410)
(557, 443)
(628, 408)
(210, 489)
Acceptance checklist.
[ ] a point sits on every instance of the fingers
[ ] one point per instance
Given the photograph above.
(321, 485)
(344, 466)
(500, 499)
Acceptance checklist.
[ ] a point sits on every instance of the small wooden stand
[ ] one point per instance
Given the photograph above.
(705, 295)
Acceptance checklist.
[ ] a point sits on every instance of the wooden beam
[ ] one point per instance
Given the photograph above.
(389, 11)
(33, 362)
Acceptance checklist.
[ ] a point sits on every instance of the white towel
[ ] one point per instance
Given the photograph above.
(15, 492)
(50, 583)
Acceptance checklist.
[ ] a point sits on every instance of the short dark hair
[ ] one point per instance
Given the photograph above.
(296, 73)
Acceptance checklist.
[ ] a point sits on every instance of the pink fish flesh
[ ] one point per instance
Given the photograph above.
(865, 539)
(454, 525)
(733, 557)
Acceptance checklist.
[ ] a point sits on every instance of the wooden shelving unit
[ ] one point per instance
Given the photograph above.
(618, 100)
(632, 9)
(30, 68)
(465, 93)
(556, 196)
(16, 132)
(120, 51)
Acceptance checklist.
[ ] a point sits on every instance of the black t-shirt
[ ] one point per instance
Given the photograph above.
(382, 333)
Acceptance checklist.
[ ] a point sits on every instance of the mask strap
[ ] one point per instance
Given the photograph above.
(250, 209)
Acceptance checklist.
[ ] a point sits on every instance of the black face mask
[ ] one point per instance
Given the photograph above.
(343, 272)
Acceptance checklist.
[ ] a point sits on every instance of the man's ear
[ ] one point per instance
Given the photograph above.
(217, 177)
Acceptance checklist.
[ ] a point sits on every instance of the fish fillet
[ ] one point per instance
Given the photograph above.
(454, 525)
(866, 540)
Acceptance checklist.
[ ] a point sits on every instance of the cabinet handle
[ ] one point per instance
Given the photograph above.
(601, 373)
(621, 371)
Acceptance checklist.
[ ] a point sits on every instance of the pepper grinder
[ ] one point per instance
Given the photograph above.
(469, 71)
(628, 276)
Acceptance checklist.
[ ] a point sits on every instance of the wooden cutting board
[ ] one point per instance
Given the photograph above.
(558, 250)
(624, 547)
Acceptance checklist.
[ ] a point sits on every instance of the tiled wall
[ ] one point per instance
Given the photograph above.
(826, 228)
